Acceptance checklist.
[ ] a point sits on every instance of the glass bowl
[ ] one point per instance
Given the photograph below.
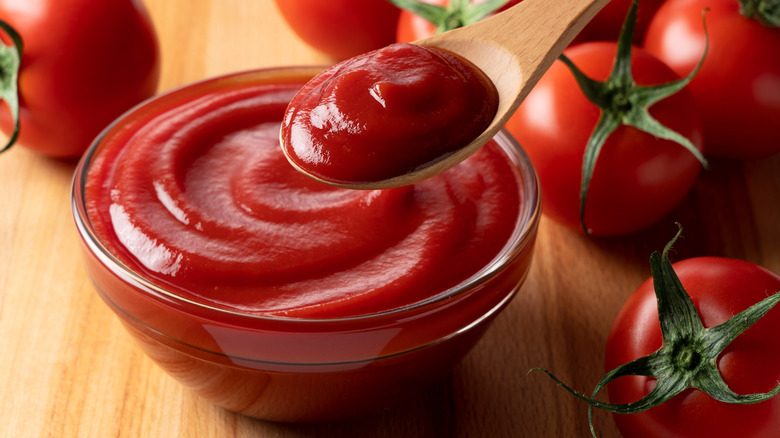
(301, 369)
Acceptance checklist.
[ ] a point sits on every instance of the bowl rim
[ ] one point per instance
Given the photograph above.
(522, 235)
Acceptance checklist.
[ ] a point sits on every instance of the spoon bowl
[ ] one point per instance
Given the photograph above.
(513, 48)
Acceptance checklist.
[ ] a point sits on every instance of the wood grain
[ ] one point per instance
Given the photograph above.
(68, 369)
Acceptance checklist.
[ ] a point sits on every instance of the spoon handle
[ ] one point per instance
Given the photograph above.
(517, 46)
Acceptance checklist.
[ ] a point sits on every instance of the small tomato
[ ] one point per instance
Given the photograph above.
(737, 89)
(719, 289)
(615, 140)
(341, 28)
(694, 352)
(84, 63)
(638, 178)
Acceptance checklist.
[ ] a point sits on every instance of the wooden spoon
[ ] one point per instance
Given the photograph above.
(514, 48)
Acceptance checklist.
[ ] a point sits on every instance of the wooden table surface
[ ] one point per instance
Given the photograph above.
(67, 367)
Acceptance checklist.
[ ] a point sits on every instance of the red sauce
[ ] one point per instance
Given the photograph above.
(387, 113)
(233, 271)
(200, 200)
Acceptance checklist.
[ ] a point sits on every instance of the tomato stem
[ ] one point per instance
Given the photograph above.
(623, 102)
(765, 11)
(687, 359)
(457, 13)
(689, 352)
(10, 61)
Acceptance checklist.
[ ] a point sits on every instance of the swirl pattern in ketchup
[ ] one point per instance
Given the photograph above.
(200, 199)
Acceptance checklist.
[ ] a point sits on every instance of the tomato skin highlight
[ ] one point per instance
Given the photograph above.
(737, 89)
(719, 288)
(638, 178)
(341, 28)
(84, 63)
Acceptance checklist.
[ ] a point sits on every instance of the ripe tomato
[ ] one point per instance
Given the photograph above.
(84, 63)
(638, 178)
(738, 87)
(412, 27)
(719, 288)
(341, 28)
(606, 25)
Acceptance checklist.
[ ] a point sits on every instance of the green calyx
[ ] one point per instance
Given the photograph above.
(688, 356)
(623, 102)
(10, 60)
(765, 11)
(457, 13)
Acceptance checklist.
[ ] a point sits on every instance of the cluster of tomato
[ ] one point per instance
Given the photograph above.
(728, 110)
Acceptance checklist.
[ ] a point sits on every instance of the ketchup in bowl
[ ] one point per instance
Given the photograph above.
(274, 295)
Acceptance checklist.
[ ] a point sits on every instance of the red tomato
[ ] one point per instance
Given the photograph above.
(341, 28)
(85, 62)
(738, 87)
(638, 178)
(412, 27)
(719, 288)
(606, 25)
